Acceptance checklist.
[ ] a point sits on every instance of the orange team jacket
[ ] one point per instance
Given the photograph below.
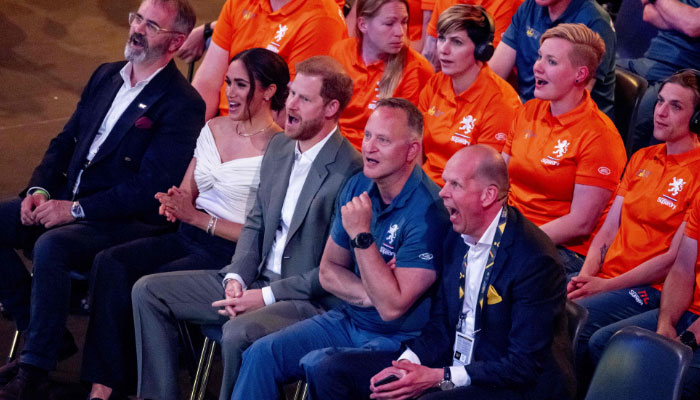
(365, 92)
(692, 230)
(481, 114)
(501, 10)
(658, 191)
(549, 154)
(297, 31)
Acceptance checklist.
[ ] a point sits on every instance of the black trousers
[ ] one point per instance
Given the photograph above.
(109, 357)
(40, 304)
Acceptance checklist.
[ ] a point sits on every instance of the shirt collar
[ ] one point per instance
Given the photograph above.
(125, 72)
(488, 235)
(682, 159)
(311, 153)
(575, 115)
(474, 90)
(406, 191)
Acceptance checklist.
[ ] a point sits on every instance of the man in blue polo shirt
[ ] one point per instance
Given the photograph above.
(520, 44)
(382, 256)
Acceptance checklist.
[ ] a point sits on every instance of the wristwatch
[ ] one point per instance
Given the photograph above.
(362, 240)
(446, 383)
(76, 211)
(688, 339)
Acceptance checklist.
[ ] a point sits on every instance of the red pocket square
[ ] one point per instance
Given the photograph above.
(143, 123)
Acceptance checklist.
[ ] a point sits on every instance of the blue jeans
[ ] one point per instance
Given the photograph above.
(571, 260)
(287, 355)
(649, 320)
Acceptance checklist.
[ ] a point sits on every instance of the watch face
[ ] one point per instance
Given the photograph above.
(363, 240)
(447, 385)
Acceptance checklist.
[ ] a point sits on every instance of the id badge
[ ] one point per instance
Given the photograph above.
(464, 344)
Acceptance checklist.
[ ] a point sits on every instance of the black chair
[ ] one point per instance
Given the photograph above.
(629, 89)
(577, 316)
(640, 365)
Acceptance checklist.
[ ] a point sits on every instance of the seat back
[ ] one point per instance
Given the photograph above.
(629, 89)
(641, 365)
(577, 316)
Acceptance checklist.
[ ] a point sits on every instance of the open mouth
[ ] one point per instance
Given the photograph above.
(453, 212)
(371, 161)
(292, 120)
(232, 105)
(540, 82)
(138, 40)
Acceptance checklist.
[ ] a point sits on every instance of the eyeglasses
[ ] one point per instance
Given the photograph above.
(151, 27)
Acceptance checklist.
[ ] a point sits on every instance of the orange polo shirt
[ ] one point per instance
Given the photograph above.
(550, 154)
(415, 17)
(658, 190)
(297, 31)
(501, 10)
(481, 114)
(692, 230)
(365, 92)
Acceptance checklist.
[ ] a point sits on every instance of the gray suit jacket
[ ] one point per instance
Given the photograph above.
(310, 223)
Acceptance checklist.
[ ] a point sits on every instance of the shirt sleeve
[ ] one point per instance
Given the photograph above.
(601, 160)
(431, 30)
(510, 36)
(498, 118)
(338, 234)
(630, 172)
(425, 96)
(223, 34)
(691, 228)
(315, 38)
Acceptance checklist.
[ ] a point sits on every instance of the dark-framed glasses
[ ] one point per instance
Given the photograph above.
(151, 27)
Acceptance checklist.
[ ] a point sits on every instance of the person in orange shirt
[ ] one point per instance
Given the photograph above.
(631, 254)
(501, 11)
(380, 63)
(466, 103)
(565, 157)
(295, 29)
(419, 12)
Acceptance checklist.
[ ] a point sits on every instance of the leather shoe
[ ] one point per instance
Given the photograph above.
(8, 371)
(24, 387)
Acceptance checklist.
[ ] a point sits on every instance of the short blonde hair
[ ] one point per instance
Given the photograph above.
(588, 47)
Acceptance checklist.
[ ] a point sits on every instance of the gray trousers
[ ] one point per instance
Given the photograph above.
(160, 300)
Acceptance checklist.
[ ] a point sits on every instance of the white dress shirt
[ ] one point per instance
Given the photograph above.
(477, 256)
(297, 177)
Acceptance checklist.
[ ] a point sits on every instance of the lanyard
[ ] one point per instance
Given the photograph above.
(487, 270)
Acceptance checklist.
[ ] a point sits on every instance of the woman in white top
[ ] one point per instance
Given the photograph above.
(211, 205)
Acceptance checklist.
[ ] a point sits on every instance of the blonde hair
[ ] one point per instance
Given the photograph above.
(393, 71)
(588, 47)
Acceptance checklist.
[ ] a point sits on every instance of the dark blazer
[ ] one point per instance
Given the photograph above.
(147, 151)
(524, 315)
(310, 223)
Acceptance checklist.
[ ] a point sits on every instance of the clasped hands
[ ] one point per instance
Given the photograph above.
(176, 205)
(237, 301)
(36, 210)
(414, 379)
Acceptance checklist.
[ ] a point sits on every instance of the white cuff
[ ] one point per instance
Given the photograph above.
(409, 355)
(33, 189)
(459, 376)
(268, 296)
(237, 277)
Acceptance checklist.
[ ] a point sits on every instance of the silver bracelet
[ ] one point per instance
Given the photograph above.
(211, 223)
(213, 228)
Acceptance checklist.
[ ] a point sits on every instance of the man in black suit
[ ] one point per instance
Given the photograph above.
(498, 315)
(132, 135)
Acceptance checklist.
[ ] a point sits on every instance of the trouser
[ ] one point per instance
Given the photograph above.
(608, 308)
(56, 253)
(161, 300)
(295, 352)
(649, 320)
(109, 357)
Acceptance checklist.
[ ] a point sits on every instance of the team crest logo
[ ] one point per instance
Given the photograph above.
(431, 111)
(467, 124)
(281, 31)
(391, 233)
(676, 186)
(248, 15)
(561, 148)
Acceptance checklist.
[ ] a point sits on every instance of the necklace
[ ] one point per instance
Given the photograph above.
(238, 130)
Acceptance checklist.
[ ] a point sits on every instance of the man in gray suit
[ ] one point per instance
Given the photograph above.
(272, 280)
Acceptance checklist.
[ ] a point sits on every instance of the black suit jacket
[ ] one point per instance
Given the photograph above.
(521, 332)
(147, 151)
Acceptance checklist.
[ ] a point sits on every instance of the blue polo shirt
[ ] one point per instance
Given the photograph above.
(530, 21)
(668, 52)
(411, 228)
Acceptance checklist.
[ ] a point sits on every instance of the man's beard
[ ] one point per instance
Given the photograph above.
(145, 53)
